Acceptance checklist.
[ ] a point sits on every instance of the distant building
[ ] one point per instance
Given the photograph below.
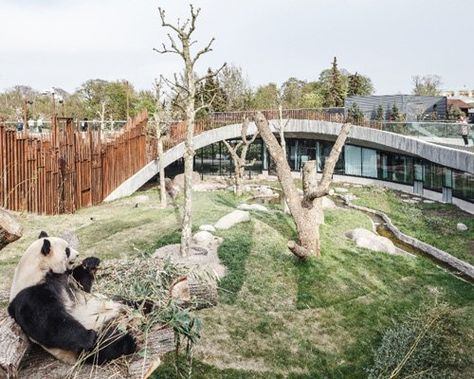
(459, 93)
(414, 107)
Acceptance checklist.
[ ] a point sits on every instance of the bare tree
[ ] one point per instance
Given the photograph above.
(281, 127)
(238, 153)
(162, 124)
(306, 212)
(184, 87)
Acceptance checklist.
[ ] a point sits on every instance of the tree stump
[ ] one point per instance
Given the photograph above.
(13, 346)
(10, 229)
(190, 292)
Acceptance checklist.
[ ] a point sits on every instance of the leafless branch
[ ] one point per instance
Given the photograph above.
(330, 164)
(211, 75)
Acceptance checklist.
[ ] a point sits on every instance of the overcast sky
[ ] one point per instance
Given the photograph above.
(62, 43)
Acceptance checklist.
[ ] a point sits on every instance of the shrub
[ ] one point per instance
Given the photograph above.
(425, 346)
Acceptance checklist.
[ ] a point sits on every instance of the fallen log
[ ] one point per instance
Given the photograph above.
(191, 292)
(38, 364)
(10, 229)
(13, 346)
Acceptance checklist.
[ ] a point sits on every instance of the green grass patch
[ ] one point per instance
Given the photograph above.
(233, 253)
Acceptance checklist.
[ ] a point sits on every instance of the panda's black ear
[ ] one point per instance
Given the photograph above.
(43, 234)
(45, 250)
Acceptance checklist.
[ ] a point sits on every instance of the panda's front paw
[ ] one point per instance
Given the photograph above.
(91, 263)
(90, 340)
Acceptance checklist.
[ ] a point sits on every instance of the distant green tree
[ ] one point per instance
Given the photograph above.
(355, 114)
(427, 85)
(359, 85)
(396, 115)
(336, 87)
(266, 97)
(211, 92)
(455, 113)
(292, 93)
(380, 114)
(236, 88)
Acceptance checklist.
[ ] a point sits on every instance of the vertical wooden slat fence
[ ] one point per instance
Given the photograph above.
(66, 170)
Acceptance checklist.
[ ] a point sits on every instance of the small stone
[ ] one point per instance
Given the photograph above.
(253, 207)
(341, 190)
(331, 192)
(346, 184)
(429, 201)
(404, 196)
(207, 228)
(357, 186)
(202, 237)
(350, 197)
(410, 201)
(231, 219)
(461, 227)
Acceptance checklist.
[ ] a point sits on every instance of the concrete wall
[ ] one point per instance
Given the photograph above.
(457, 159)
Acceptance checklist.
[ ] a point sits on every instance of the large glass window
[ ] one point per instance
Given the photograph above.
(463, 186)
(433, 177)
(353, 160)
(369, 163)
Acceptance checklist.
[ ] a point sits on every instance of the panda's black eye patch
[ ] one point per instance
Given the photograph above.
(68, 252)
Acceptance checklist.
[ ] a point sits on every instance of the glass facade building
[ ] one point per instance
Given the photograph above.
(354, 160)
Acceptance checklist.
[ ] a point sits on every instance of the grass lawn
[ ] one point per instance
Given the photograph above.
(277, 317)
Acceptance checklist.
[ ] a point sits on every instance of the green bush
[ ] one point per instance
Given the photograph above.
(423, 347)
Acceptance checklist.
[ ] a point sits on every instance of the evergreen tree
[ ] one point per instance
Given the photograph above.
(395, 115)
(355, 114)
(379, 114)
(359, 85)
(336, 93)
(211, 92)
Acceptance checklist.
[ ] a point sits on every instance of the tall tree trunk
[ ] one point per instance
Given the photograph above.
(162, 166)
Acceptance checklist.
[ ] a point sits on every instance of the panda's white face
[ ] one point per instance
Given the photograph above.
(56, 255)
(46, 254)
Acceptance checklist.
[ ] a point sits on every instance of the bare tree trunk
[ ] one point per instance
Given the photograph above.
(184, 88)
(159, 143)
(307, 213)
(240, 161)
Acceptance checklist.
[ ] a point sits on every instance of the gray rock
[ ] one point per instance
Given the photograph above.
(429, 201)
(369, 240)
(253, 207)
(231, 219)
(350, 197)
(179, 179)
(341, 190)
(461, 227)
(207, 228)
(410, 201)
(328, 203)
(203, 238)
(331, 192)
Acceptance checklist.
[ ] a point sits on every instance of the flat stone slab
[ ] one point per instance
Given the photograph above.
(461, 227)
(253, 207)
(231, 219)
(341, 190)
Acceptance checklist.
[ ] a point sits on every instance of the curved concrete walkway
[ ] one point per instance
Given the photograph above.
(456, 159)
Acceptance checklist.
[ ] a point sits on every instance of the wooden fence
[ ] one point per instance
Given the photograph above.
(65, 170)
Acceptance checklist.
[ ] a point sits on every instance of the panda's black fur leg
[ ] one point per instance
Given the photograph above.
(85, 273)
(112, 345)
(39, 310)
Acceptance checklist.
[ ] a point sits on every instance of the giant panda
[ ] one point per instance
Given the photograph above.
(50, 300)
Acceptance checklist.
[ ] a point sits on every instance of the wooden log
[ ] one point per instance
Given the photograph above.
(38, 364)
(10, 229)
(194, 293)
(13, 346)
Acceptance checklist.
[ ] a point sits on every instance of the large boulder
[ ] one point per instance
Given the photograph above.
(253, 207)
(179, 179)
(232, 218)
(371, 241)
